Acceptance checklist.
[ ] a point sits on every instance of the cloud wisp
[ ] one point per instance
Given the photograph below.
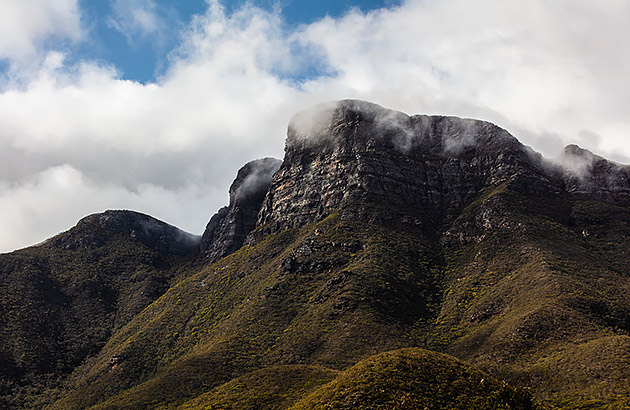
(552, 73)
(134, 18)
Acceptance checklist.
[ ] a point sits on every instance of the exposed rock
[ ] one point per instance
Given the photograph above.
(229, 227)
(585, 173)
(357, 151)
(114, 361)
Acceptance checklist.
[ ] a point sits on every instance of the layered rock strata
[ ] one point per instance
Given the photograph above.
(356, 151)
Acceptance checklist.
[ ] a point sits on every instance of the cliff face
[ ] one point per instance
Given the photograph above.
(229, 227)
(589, 175)
(357, 151)
(351, 151)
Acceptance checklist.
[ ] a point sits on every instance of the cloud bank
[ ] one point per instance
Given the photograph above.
(26, 24)
(78, 138)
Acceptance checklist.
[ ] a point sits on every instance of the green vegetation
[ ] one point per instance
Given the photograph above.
(62, 300)
(415, 379)
(529, 289)
(271, 388)
(306, 296)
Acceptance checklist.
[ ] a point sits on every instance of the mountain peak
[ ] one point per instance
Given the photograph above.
(96, 229)
(577, 151)
(365, 125)
(588, 174)
(348, 151)
(252, 181)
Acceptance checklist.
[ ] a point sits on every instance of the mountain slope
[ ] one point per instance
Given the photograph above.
(276, 387)
(62, 300)
(292, 298)
(310, 301)
(402, 379)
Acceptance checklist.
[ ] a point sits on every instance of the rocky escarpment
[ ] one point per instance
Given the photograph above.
(350, 151)
(586, 174)
(229, 227)
(95, 230)
(356, 151)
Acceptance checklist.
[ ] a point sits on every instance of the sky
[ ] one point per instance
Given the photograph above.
(154, 105)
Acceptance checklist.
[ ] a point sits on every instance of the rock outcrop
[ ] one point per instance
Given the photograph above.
(357, 151)
(229, 227)
(587, 174)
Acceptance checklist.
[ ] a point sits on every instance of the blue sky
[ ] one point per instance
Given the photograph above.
(143, 55)
(154, 105)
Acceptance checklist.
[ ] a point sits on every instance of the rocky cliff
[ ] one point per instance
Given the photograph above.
(589, 175)
(229, 227)
(352, 151)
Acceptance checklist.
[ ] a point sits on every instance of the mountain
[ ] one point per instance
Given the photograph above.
(62, 300)
(389, 261)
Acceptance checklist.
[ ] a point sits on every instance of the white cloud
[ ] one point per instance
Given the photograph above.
(552, 73)
(25, 24)
(174, 145)
(137, 18)
(66, 193)
(547, 67)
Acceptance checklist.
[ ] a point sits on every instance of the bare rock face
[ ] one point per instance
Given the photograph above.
(587, 174)
(352, 151)
(355, 152)
(229, 227)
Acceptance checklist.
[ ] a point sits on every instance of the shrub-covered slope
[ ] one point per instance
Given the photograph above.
(537, 291)
(366, 280)
(270, 388)
(402, 379)
(325, 294)
(415, 379)
(62, 300)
